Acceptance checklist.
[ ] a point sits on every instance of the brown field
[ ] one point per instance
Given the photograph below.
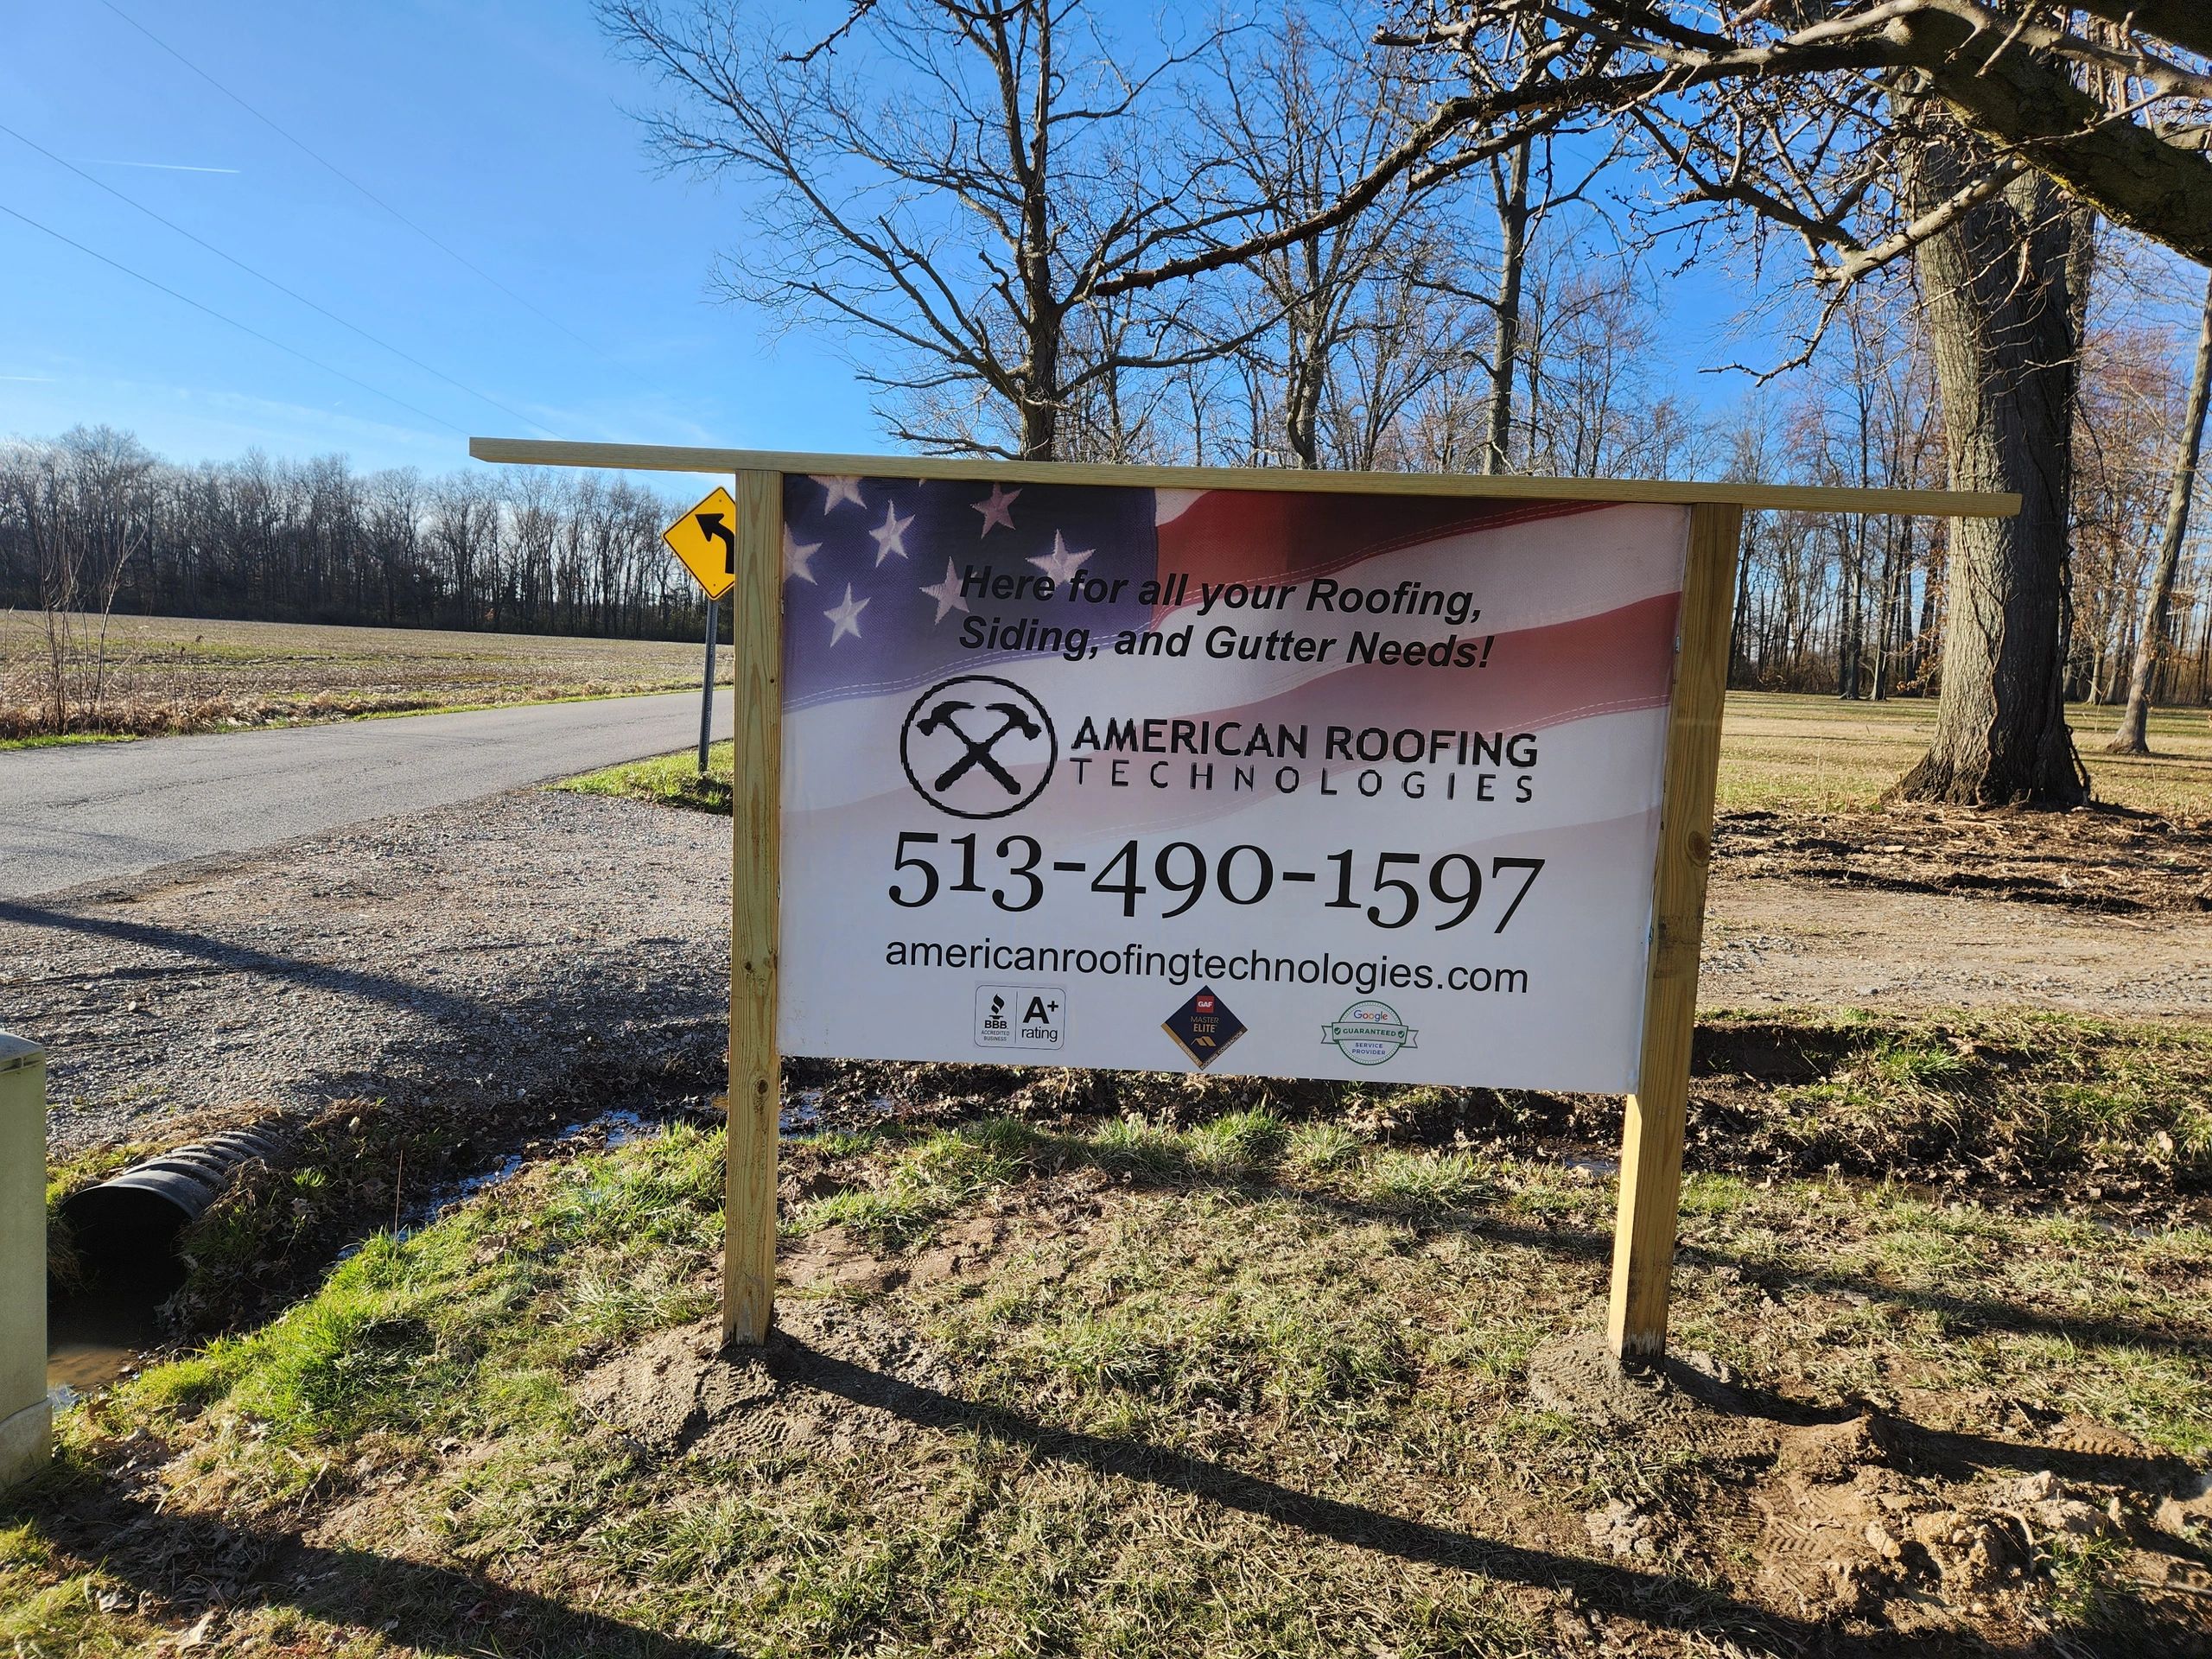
(175, 674)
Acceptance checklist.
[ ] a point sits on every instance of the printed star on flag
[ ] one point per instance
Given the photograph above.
(891, 535)
(846, 618)
(947, 595)
(840, 489)
(997, 509)
(796, 555)
(1060, 564)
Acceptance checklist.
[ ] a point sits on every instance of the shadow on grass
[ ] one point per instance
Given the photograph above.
(184, 1564)
(1970, 1313)
(1660, 1601)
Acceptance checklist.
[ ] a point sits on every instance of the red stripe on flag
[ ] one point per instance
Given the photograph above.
(1537, 677)
(1264, 536)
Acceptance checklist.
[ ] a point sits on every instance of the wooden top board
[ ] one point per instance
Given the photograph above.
(1789, 497)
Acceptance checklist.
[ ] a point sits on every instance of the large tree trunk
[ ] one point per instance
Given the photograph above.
(2133, 737)
(2002, 287)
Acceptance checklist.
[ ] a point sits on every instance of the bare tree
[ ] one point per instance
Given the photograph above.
(1871, 132)
(1298, 124)
(999, 172)
(2133, 737)
(81, 504)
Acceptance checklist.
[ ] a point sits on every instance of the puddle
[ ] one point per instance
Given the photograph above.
(95, 1336)
(621, 1128)
(802, 1118)
(1597, 1168)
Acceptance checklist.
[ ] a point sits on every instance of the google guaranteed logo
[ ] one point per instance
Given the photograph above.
(1370, 1032)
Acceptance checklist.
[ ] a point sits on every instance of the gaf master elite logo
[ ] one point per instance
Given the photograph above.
(1202, 1028)
(1370, 1032)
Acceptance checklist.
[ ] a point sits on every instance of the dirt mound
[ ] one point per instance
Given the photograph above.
(826, 1383)
(2096, 858)
(1874, 1518)
(1577, 1377)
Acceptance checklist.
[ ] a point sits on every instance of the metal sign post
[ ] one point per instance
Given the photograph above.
(705, 542)
(707, 685)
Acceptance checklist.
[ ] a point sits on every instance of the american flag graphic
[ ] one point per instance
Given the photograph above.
(893, 586)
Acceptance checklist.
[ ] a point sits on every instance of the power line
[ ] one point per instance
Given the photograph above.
(273, 283)
(301, 145)
(218, 317)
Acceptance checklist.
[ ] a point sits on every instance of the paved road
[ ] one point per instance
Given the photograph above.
(100, 811)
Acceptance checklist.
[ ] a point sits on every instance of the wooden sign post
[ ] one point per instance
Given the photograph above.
(756, 810)
(1651, 1141)
(967, 760)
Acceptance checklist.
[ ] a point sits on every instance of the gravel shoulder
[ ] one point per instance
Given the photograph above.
(572, 951)
(1773, 943)
(532, 945)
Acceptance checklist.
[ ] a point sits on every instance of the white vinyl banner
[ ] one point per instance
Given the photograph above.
(1305, 784)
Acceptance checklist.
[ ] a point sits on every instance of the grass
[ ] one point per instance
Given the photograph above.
(2040, 1101)
(1235, 1387)
(64, 739)
(668, 781)
(1783, 751)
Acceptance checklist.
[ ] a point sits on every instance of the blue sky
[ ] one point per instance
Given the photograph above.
(496, 126)
(499, 127)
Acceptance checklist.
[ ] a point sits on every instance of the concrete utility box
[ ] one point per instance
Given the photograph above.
(26, 1419)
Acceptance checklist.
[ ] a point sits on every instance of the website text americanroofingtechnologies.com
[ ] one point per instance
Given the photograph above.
(1363, 975)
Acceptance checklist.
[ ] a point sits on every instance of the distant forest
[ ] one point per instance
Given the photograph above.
(95, 515)
(1824, 603)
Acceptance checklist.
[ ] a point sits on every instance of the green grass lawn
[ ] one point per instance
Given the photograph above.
(666, 781)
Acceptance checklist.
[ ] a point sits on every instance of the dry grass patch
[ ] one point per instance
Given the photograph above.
(170, 674)
(1786, 752)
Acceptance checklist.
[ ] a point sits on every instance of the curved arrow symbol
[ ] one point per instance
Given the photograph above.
(711, 526)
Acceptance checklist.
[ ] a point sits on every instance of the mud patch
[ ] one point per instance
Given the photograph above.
(1578, 1377)
(1875, 1519)
(820, 1386)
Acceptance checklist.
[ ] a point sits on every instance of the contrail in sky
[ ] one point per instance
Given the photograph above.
(161, 167)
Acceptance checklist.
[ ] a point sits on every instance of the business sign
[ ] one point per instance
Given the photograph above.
(1305, 784)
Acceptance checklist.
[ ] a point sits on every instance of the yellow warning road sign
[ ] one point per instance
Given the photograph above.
(705, 538)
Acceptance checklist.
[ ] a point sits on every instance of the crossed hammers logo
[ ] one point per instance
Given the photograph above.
(958, 707)
(1015, 719)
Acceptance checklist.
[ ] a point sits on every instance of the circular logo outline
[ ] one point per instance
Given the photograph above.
(1045, 718)
(1356, 1033)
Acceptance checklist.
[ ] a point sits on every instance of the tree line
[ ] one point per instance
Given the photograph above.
(92, 520)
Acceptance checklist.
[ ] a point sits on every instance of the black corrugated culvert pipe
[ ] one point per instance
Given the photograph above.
(127, 1225)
